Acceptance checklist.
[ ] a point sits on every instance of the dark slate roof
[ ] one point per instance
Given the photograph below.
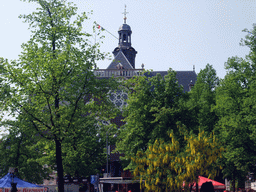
(184, 77)
(124, 27)
(120, 59)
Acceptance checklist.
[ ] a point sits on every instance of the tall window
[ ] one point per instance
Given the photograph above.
(124, 37)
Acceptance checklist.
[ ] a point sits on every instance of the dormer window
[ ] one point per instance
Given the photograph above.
(190, 85)
(119, 66)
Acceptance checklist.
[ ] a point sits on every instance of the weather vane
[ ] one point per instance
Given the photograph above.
(125, 14)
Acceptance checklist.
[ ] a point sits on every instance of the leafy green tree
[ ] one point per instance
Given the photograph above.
(202, 99)
(84, 153)
(235, 106)
(233, 128)
(155, 104)
(20, 150)
(52, 84)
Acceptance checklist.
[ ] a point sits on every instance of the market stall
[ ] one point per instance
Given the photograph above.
(119, 184)
(22, 186)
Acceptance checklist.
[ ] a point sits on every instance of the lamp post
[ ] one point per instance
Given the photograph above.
(107, 152)
(98, 135)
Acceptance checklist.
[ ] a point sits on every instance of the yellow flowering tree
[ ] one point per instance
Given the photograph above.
(200, 156)
(156, 164)
(164, 166)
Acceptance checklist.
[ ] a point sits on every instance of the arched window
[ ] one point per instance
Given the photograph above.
(124, 38)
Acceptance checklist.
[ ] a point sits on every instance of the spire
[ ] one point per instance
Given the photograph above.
(125, 14)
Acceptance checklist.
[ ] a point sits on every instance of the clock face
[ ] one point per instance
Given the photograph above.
(119, 98)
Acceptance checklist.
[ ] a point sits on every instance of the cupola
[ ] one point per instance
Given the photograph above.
(125, 43)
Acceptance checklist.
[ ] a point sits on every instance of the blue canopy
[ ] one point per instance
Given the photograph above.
(5, 182)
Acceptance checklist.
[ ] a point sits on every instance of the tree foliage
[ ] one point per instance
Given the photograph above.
(202, 99)
(21, 151)
(235, 106)
(234, 127)
(54, 89)
(154, 106)
(164, 166)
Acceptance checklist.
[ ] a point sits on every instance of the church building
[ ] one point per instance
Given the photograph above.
(124, 65)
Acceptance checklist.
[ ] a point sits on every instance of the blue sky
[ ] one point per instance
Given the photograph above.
(166, 33)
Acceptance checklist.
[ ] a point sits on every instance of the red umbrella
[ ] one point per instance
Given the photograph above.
(216, 184)
(201, 180)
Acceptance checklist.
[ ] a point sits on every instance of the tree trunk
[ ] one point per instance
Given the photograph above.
(234, 185)
(59, 166)
(190, 188)
(18, 156)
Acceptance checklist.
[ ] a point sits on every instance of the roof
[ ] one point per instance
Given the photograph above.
(118, 180)
(184, 77)
(124, 27)
(120, 59)
(121, 181)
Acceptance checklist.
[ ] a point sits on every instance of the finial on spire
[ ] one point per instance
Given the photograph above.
(125, 14)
